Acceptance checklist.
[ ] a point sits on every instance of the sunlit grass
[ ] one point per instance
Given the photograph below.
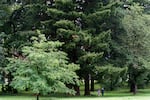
(123, 94)
(119, 94)
(77, 98)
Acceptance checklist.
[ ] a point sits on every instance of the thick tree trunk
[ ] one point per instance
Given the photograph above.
(37, 96)
(8, 88)
(92, 84)
(77, 89)
(87, 88)
(133, 88)
(111, 83)
(15, 91)
(132, 84)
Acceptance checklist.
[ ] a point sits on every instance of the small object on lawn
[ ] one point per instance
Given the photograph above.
(98, 92)
(102, 91)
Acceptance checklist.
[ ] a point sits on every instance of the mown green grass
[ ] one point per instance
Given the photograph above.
(123, 94)
(77, 98)
(120, 94)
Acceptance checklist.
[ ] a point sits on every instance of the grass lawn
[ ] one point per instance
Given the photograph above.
(120, 94)
(77, 98)
(115, 95)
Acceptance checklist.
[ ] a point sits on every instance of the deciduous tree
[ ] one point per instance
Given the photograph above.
(43, 69)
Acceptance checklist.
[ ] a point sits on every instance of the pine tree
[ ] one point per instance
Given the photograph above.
(96, 41)
(84, 31)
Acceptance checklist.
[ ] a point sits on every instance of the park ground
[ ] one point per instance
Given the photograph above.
(123, 94)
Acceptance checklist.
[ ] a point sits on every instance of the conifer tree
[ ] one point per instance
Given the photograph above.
(97, 39)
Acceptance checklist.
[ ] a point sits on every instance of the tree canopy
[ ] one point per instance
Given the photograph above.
(43, 68)
(103, 40)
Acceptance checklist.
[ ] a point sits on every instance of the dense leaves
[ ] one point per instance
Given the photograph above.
(109, 39)
(43, 68)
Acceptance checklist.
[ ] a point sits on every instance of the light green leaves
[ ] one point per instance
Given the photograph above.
(43, 69)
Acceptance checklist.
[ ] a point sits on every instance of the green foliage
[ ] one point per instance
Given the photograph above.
(4, 13)
(132, 41)
(2, 59)
(55, 13)
(136, 37)
(65, 5)
(65, 24)
(111, 77)
(101, 33)
(43, 69)
(90, 59)
(101, 42)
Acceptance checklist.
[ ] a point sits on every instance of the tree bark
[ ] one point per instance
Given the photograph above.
(77, 89)
(37, 96)
(86, 89)
(132, 83)
(92, 84)
(111, 83)
(3, 88)
(133, 88)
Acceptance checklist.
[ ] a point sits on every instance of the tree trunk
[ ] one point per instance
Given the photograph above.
(3, 88)
(92, 84)
(77, 89)
(133, 88)
(8, 88)
(111, 83)
(86, 89)
(132, 84)
(15, 91)
(37, 96)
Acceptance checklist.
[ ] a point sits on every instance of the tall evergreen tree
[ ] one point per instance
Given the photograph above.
(97, 39)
